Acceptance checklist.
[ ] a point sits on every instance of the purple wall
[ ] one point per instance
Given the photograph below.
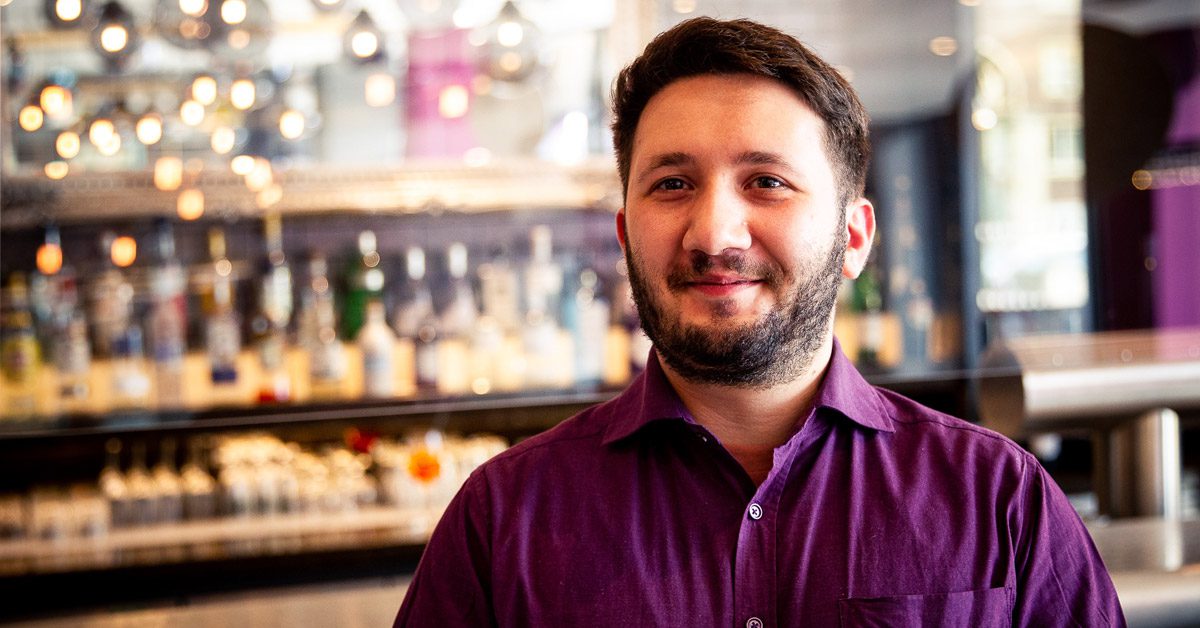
(1177, 214)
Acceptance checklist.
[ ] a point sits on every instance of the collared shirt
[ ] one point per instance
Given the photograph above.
(877, 512)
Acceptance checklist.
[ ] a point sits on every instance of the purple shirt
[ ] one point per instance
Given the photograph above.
(878, 512)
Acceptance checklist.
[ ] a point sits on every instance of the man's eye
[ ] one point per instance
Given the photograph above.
(767, 182)
(671, 185)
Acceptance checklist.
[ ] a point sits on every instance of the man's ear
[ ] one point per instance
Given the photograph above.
(860, 227)
(621, 228)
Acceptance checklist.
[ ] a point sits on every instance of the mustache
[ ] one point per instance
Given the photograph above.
(697, 264)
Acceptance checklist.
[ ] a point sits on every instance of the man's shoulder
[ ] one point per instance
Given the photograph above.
(577, 435)
(913, 420)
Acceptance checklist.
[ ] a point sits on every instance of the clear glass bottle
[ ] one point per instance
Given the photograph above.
(130, 378)
(143, 492)
(415, 318)
(456, 324)
(111, 301)
(377, 342)
(223, 337)
(540, 336)
(167, 320)
(273, 315)
(318, 333)
(586, 317)
(73, 363)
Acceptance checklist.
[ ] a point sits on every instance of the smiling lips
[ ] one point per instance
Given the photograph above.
(715, 285)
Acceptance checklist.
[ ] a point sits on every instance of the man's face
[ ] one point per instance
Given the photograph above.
(732, 230)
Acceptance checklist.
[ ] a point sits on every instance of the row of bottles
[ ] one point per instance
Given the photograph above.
(497, 326)
(253, 475)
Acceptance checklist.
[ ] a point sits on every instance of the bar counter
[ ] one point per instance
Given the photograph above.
(1155, 564)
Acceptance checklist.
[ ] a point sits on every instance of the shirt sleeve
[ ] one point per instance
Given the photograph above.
(452, 583)
(1061, 579)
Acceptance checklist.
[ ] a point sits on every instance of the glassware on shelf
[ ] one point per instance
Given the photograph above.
(111, 301)
(199, 487)
(546, 363)
(130, 379)
(168, 485)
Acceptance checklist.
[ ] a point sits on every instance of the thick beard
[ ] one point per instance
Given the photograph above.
(777, 348)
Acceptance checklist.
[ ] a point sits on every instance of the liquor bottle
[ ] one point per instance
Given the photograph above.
(168, 485)
(19, 352)
(540, 335)
(496, 353)
(867, 302)
(222, 338)
(377, 342)
(111, 297)
(455, 324)
(130, 379)
(199, 486)
(415, 318)
(270, 321)
(365, 283)
(143, 492)
(73, 362)
(167, 321)
(318, 332)
(500, 292)
(586, 317)
(113, 486)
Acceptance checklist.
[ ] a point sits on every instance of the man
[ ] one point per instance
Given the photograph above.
(750, 476)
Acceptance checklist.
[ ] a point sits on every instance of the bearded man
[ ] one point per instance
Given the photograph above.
(750, 476)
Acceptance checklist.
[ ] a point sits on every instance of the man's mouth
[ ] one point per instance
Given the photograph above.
(716, 285)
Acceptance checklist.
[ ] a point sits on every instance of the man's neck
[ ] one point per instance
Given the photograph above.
(750, 422)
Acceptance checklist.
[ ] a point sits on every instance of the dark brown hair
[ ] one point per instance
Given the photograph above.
(707, 46)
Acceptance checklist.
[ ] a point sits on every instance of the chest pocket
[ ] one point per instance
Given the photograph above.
(982, 608)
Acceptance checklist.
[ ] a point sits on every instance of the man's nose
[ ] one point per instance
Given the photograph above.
(717, 222)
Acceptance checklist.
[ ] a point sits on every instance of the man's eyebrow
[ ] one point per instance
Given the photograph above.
(756, 157)
(666, 160)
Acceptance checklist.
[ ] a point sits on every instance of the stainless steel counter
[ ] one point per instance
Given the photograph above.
(1155, 565)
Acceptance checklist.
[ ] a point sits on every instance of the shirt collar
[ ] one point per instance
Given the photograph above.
(650, 397)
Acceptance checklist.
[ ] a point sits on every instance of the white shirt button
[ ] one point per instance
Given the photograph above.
(756, 513)
(754, 622)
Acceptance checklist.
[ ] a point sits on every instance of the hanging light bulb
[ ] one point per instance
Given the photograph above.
(233, 12)
(64, 13)
(149, 128)
(242, 94)
(67, 144)
(31, 117)
(429, 15)
(101, 131)
(223, 140)
(242, 165)
(510, 46)
(190, 204)
(291, 124)
(380, 89)
(56, 100)
(363, 41)
(49, 254)
(168, 173)
(328, 5)
(123, 251)
(56, 170)
(191, 112)
(114, 35)
(182, 22)
(204, 89)
(193, 8)
(241, 28)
